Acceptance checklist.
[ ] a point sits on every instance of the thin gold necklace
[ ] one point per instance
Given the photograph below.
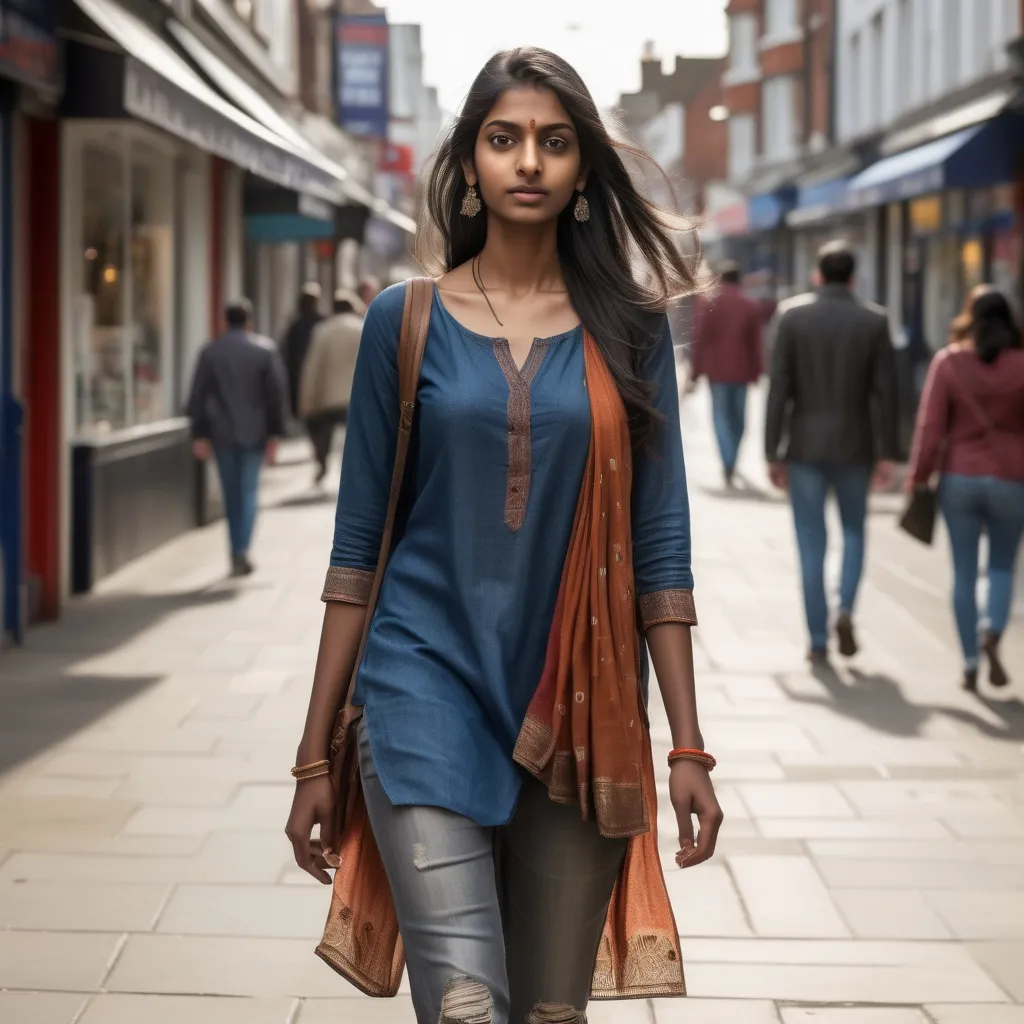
(479, 282)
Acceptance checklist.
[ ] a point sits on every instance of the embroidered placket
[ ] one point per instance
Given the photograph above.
(520, 451)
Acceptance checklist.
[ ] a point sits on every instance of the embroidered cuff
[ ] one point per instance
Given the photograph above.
(352, 586)
(668, 606)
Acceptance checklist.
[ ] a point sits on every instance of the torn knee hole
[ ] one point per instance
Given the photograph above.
(556, 1013)
(466, 1001)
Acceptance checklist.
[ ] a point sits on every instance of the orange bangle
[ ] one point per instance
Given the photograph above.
(702, 757)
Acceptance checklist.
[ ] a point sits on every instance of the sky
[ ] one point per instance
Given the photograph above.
(602, 39)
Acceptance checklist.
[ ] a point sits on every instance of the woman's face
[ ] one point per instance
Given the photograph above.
(527, 162)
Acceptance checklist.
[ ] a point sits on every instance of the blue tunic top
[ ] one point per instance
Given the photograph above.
(458, 639)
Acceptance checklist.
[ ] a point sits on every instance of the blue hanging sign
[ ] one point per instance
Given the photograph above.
(29, 49)
(362, 62)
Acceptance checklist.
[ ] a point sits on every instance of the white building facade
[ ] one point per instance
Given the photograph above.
(927, 83)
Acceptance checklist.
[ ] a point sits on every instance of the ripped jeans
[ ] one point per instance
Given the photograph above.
(500, 925)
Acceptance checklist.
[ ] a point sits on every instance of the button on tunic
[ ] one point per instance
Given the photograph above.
(458, 638)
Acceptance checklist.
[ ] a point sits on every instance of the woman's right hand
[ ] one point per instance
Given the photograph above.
(313, 804)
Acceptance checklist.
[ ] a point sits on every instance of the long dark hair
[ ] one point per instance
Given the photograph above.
(621, 268)
(994, 326)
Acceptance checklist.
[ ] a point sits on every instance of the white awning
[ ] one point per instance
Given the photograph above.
(161, 88)
(253, 103)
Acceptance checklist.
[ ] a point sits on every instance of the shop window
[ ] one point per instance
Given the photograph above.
(122, 314)
(151, 278)
(100, 356)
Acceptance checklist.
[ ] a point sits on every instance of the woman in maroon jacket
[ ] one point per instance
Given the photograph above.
(973, 408)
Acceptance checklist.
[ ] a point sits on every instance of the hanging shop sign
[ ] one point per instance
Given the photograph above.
(29, 50)
(362, 62)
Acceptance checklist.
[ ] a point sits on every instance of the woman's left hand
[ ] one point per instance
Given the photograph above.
(691, 793)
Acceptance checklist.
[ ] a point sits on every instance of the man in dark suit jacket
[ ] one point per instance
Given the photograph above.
(831, 427)
(238, 411)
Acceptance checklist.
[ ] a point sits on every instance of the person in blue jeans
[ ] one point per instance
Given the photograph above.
(831, 429)
(728, 350)
(973, 407)
(237, 407)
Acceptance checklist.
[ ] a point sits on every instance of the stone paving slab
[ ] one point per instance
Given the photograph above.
(131, 1009)
(41, 1007)
(870, 869)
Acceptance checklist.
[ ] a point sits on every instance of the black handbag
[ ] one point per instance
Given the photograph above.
(918, 517)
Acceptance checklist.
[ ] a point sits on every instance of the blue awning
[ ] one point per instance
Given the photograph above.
(767, 211)
(818, 202)
(975, 157)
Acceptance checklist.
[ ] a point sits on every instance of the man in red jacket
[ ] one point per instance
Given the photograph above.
(728, 350)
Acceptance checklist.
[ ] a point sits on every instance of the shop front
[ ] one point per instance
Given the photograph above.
(30, 78)
(148, 237)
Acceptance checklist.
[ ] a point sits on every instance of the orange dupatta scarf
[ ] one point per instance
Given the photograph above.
(585, 736)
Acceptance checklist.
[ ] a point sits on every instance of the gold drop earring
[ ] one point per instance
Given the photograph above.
(471, 204)
(582, 209)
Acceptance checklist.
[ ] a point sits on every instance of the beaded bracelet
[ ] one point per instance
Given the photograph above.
(311, 771)
(692, 754)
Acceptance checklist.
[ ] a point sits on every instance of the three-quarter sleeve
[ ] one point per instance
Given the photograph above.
(371, 438)
(660, 505)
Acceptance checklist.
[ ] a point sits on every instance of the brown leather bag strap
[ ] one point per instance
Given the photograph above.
(419, 297)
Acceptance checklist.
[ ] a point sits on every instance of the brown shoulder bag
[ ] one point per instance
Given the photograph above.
(361, 894)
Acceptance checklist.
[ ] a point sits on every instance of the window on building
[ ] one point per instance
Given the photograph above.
(743, 44)
(926, 34)
(874, 72)
(951, 47)
(855, 105)
(780, 18)
(779, 117)
(984, 45)
(906, 57)
(742, 146)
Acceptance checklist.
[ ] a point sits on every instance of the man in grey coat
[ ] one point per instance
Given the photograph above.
(831, 428)
(238, 409)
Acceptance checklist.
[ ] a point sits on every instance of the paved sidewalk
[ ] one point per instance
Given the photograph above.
(871, 869)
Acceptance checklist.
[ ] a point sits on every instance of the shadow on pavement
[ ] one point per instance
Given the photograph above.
(43, 701)
(877, 701)
(747, 492)
(306, 500)
(36, 714)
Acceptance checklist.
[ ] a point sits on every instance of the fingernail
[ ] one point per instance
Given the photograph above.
(332, 859)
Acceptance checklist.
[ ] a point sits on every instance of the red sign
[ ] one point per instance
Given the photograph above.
(397, 159)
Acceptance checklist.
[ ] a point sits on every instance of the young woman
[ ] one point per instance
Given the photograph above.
(505, 756)
(970, 427)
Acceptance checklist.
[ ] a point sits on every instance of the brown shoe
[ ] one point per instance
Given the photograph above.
(846, 637)
(996, 673)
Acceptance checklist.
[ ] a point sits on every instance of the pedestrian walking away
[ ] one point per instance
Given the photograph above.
(298, 338)
(831, 429)
(496, 831)
(237, 408)
(368, 290)
(326, 382)
(970, 428)
(728, 349)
